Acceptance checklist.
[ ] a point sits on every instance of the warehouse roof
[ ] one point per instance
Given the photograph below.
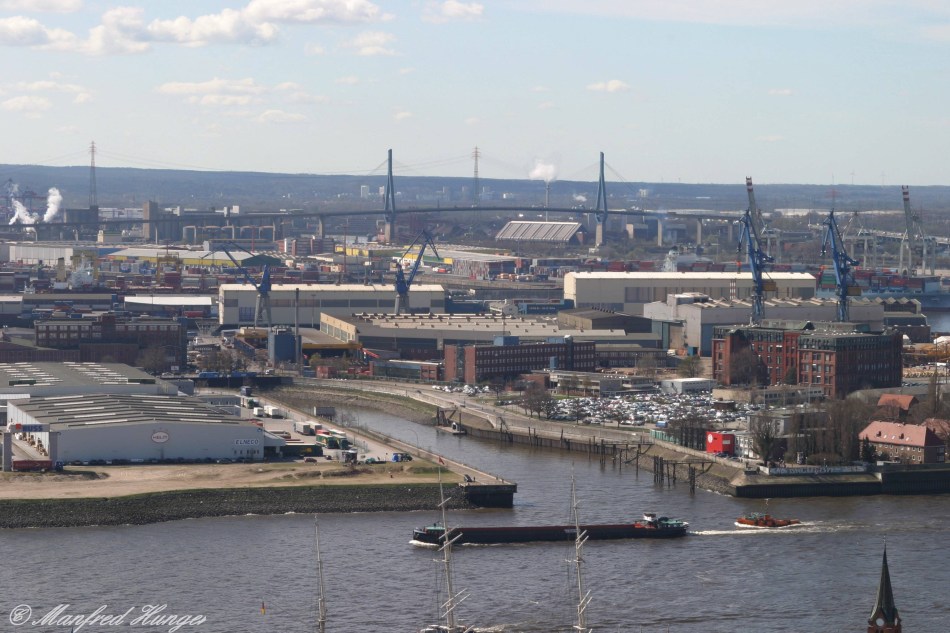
(96, 409)
(170, 300)
(690, 276)
(521, 231)
(416, 287)
(70, 373)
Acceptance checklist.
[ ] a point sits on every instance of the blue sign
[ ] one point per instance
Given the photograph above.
(32, 428)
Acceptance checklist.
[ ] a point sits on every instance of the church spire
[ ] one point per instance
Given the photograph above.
(884, 617)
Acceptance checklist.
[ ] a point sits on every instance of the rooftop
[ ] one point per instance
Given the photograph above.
(87, 410)
(685, 276)
(70, 373)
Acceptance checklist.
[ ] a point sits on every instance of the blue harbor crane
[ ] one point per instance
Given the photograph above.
(845, 286)
(751, 222)
(262, 287)
(404, 282)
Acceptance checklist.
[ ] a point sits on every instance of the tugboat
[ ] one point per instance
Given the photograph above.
(764, 520)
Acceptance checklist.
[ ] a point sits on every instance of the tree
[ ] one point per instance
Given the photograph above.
(846, 419)
(689, 367)
(536, 398)
(746, 368)
(764, 437)
(868, 451)
(497, 385)
(646, 364)
(152, 360)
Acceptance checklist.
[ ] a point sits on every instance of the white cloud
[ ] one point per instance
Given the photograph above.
(221, 100)
(213, 86)
(770, 138)
(540, 89)
(781, 92)
(350, 80)
(313, 11)
(280, 116)
(80, 93)
(802, 13)
(545, 105)
(23, 31)
(68, 129)
(402, 116)
(313, 50)
(31, 106)
(614, 85)
(124, 30)
(472, 120)
(452, 10)
(82, 97)
(372, 43)
(41, 6)
(406, 71)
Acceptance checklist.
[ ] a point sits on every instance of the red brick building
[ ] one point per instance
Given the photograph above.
(834, 356)
(475, 363)
(117, 339)
(908, 443)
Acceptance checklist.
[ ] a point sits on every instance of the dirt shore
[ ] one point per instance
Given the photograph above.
(118, 481)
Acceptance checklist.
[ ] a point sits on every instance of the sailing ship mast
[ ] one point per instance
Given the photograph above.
(321, 599)
(580, 537)
(453, 599)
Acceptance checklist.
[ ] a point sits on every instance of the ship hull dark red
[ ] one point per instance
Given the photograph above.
(489, 535)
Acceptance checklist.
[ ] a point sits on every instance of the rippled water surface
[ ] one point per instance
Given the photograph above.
(821, 576)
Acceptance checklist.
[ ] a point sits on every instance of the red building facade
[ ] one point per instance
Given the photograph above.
(833, 356)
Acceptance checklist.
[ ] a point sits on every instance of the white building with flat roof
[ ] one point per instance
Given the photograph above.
(629, 291)
(237, 302)
(134, 427)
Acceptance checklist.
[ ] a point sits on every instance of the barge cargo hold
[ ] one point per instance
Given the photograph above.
(650, 527)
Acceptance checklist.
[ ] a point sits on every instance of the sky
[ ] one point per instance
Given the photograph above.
(693, 91)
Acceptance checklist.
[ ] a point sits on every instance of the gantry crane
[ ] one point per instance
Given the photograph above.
(262, 287)
(403, 282)
(751, 222)
(914, 238)
(845, 286)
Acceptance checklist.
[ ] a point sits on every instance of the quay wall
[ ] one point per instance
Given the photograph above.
(191, 504)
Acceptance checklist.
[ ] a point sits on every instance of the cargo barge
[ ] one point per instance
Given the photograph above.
(650, 526)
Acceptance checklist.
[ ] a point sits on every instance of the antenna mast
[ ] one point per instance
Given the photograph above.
(93, 196)
(475, 185)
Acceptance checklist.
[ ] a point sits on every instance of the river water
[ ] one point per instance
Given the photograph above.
(819, 577)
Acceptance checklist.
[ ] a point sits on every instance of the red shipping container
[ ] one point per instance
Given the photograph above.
(717, 442)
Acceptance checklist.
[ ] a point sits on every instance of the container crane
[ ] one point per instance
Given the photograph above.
(262, 287)
(751, 222)
(913, 238)
(845, 286)
(403, 282)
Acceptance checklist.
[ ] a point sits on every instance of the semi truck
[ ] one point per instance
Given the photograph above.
(304, 427)
(273, 412)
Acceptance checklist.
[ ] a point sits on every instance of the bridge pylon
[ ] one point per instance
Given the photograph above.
(389, 211)
(600, 235)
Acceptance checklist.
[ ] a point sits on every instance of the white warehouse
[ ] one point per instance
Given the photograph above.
(628, 292)
(134, 427)
(237, 302)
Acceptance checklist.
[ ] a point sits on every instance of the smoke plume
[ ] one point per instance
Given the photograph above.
(22, 215)
(543, 171)
(580, 197)
(53, 200)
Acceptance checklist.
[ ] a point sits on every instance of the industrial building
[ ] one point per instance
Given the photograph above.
(22, 380)
(237, 302)
(839, 357)
(424, 337)
(628, 291)
(555, 233)
(509, 358)
(120, 339)
(133, 427)
(700, 314)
